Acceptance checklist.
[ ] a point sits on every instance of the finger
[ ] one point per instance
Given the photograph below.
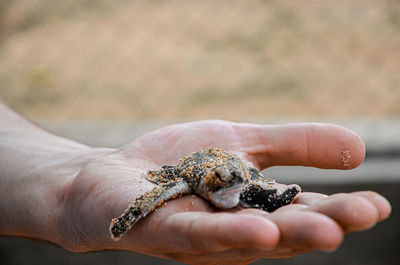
(308, 198)
(304, 144)
(235, 255)
(201, 231)
(303, 229)
(290, 207)
(230, 256)
(286, 252)
(381, 204)
(352, 212)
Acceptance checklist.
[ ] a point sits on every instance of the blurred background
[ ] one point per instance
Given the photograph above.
(104, 72)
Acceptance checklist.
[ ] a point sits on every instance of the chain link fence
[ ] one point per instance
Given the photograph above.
(180, 59)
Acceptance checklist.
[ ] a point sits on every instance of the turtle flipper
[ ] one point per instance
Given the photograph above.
(267, 197)
(145, 204)
(255, 175)
(164, 175)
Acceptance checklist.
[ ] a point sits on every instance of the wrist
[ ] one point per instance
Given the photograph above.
(33, 185)
(35, 168)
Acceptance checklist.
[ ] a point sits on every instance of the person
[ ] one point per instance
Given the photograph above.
(58, 190)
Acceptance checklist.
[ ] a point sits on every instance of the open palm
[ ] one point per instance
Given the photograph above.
(189, 229)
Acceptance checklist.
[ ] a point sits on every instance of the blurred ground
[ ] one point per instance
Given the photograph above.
(179, 59)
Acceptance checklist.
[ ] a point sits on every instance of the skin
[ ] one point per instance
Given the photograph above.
(57, 190)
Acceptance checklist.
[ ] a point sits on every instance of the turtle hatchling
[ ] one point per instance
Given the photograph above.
(217, 176)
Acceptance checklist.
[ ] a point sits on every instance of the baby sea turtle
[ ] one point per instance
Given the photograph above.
(213, 174)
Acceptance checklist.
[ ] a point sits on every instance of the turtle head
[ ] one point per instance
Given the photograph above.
(222, 184)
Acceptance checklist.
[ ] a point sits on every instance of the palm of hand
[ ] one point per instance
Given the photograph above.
(188, 229)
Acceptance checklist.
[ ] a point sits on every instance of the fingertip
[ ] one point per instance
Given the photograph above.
(357, 147)
(258, 231)
(328, 235)
(309, 198)
(364, 215)
(201, 231)
(327, 146)
(350, 146)
(381, 203)
(332, 236)
(353, 213)
(307, 229)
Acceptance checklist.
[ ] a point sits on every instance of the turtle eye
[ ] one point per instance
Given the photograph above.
(235, 174)
(218, 175)
(222, 173)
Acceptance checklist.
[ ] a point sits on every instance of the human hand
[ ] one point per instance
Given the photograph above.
(189, 229)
